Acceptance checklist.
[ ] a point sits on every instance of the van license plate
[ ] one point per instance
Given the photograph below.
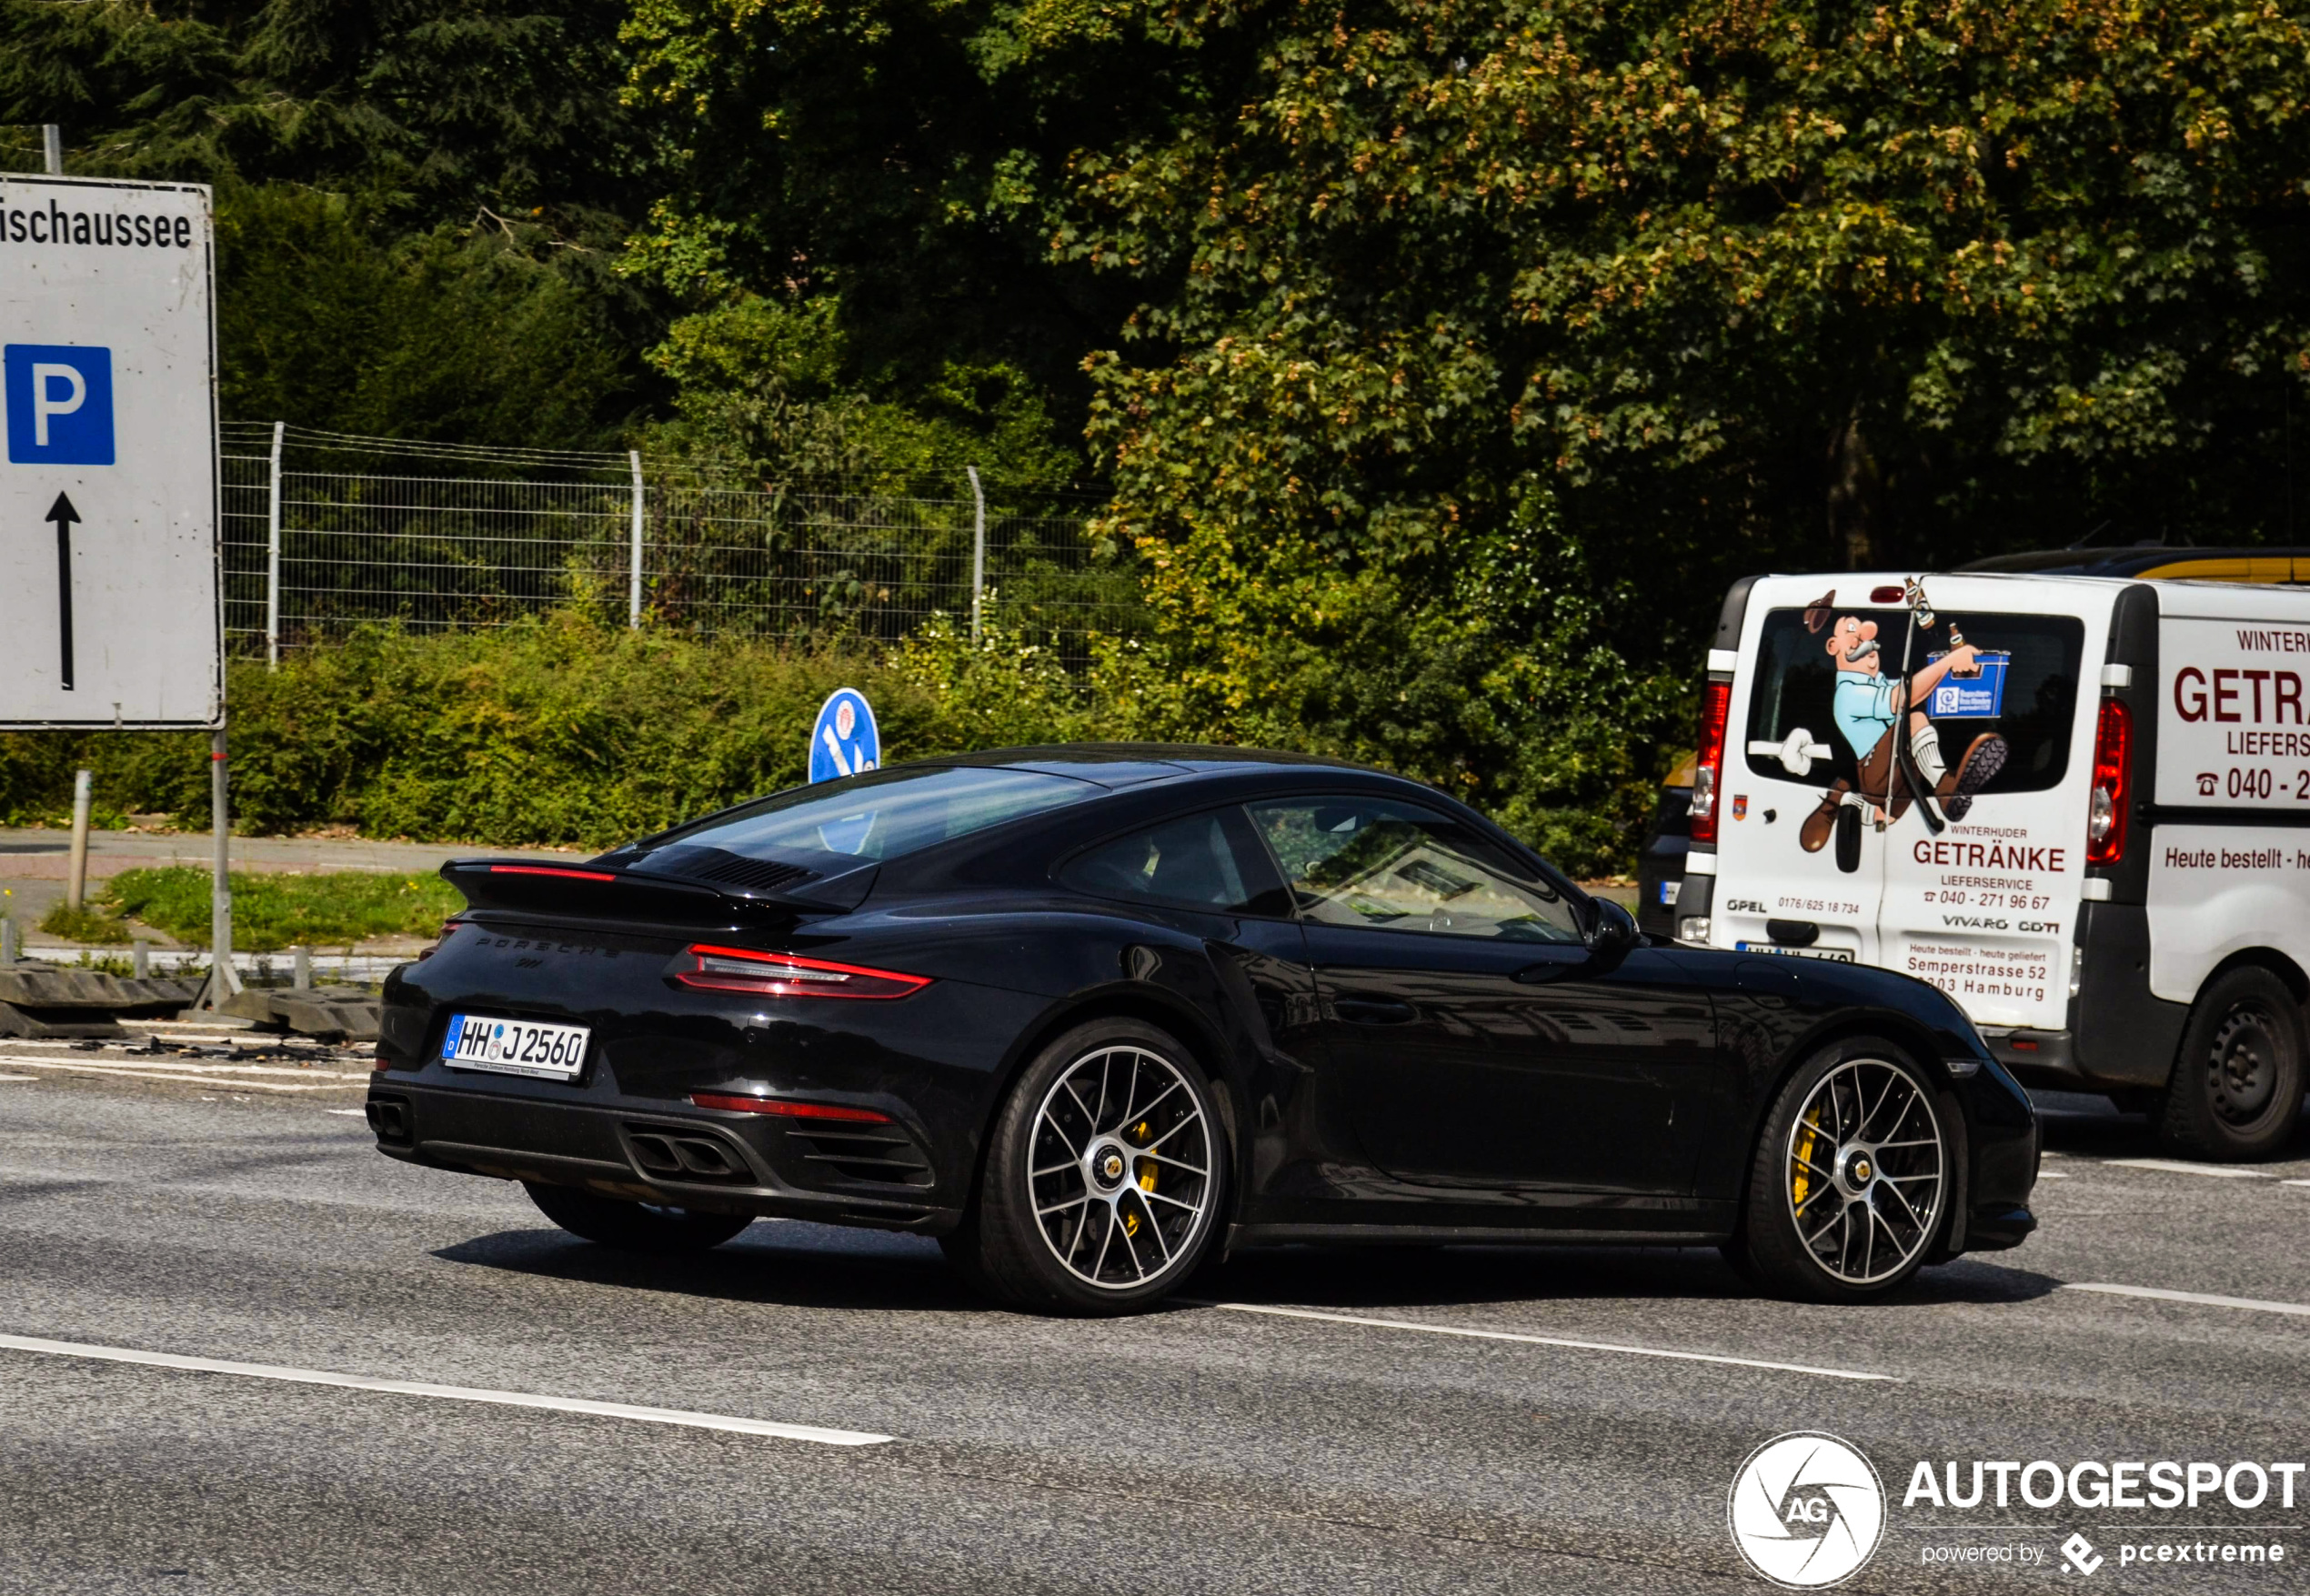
(515, 1047)
(1833, 954)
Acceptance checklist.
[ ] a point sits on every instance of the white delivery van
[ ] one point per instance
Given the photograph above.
(2079, 804)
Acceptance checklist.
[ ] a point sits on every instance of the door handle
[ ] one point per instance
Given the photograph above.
(1374, 1011)
(1548, 969)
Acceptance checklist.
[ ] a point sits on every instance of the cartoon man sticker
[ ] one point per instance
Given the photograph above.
(1870, 709)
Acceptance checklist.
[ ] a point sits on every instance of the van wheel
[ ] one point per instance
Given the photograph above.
(1849, 1189)
(2237, 1087)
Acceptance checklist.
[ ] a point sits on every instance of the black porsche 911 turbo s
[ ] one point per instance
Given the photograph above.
(1086, 1014)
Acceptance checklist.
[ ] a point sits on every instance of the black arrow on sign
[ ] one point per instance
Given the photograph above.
(64, 515)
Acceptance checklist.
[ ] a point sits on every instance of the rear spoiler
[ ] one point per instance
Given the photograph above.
(584, 892)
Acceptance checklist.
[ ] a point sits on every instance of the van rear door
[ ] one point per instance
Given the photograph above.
(1984, 904)
(1799, 871)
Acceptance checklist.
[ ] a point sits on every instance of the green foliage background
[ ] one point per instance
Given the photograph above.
(1442, 360)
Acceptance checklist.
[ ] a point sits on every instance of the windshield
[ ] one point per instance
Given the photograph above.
(882, 815)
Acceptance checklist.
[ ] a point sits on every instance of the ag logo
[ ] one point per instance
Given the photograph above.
(1806, 1511)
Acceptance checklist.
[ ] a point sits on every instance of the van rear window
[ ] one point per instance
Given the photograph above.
(1831, 677)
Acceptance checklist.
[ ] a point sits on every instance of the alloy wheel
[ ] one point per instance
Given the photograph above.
(1867, 1171)
(1119, 1172)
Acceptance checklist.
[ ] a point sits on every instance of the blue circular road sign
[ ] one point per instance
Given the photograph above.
(844, 741)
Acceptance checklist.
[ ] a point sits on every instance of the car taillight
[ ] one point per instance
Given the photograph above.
(446, 926)
(1716, 700)
(786, 1108)
(789, 974)
(2112, 769)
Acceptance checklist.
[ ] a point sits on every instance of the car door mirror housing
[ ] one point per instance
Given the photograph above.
(1612, 934)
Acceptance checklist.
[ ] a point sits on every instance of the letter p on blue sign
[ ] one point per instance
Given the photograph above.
(59, 404)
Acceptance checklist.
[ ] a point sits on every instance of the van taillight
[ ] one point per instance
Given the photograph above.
(2112, 763)
(1716, 700)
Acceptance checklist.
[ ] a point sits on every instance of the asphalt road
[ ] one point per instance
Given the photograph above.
(244, 1218)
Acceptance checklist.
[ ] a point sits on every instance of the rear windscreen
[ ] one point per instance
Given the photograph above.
(1827, 691)
(881, 815)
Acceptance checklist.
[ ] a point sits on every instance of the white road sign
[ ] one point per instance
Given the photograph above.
(108, 555)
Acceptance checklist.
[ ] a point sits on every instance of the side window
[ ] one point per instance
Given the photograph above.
(1192, 861)
(1826, 694)
(1388, 866)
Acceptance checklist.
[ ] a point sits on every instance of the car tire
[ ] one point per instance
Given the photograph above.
(2236, 1092)
(1850, 1187)
(1077, 1211)
(633, 1226)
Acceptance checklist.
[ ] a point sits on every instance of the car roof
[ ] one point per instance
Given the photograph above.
(1117, 765)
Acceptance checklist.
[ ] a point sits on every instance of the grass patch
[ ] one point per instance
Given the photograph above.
(271, 912)
(84, 924)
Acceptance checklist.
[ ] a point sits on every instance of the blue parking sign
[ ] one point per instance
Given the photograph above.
(59, 402)
(843, 740)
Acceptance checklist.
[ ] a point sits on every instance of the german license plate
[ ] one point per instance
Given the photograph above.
(514, 1047)
(1833, 954)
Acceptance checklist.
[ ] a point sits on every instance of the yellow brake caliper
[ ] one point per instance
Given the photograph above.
(1146, 1177)
(1801, 1179)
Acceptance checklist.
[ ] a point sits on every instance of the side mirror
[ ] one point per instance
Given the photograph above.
(1614, 935)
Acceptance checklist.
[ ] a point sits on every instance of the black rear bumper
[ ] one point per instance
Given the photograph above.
(731, 1163)
(1992, 1227)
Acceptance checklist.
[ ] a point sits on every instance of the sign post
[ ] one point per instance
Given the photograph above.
(109, 572)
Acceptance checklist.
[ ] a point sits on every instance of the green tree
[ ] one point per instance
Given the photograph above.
(769, 386)
(421, 202)
(441, 336)
(427, 110)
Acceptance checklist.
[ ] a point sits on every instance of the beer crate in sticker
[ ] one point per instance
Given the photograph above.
(1980, 697)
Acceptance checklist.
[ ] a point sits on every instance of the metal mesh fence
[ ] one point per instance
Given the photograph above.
(438, 536)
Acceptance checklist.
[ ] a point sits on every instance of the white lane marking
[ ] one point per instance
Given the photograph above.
(2294, 1182)
(19, 1078)
(362, 1113)
(187, 1065)
(2176, 1167)
(2052, 1174)
(1486, 1335)
(456, 1394)
(236, 1085)
(2201, 1299)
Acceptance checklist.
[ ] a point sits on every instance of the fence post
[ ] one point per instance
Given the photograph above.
(633, 581)
(77, 860)
(52, 148)
(978, 550)
(273, 555)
